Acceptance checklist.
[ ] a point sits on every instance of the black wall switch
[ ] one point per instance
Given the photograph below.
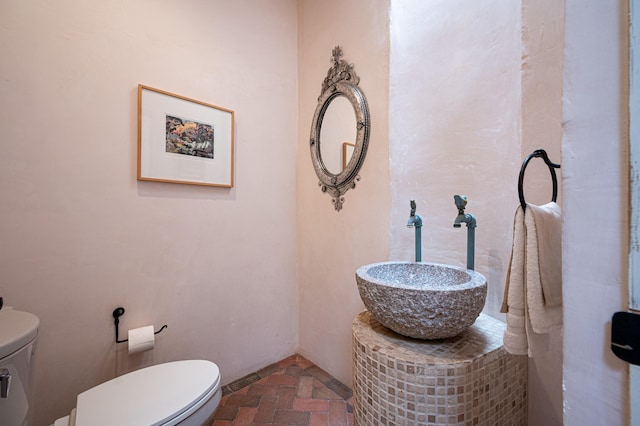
(625, 336)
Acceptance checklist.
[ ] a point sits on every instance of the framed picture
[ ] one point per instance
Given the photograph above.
(181, 140)
(347, 152)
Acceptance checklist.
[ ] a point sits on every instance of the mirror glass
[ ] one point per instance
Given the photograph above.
(339, 126)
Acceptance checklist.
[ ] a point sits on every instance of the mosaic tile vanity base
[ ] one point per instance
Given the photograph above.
(465, 380)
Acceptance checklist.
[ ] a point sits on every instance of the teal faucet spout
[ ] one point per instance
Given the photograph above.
(470, 220)
(415, 221)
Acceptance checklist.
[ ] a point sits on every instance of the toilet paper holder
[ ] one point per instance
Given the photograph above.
(117, 313)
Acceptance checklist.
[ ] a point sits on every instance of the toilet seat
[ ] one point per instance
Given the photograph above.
(160, 395)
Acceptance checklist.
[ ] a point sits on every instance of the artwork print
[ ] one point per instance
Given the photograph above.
(189, 137)
(182, 140)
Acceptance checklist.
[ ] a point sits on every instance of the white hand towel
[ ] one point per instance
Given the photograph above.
(515, 335)
(543, 267)
(533, 291)
(548, 232)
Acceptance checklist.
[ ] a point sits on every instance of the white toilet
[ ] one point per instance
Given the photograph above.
(182, 393)
(18, 337)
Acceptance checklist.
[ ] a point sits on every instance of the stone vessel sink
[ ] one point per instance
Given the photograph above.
(422, 300)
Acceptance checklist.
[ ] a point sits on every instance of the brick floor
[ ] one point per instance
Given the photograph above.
(290, 392)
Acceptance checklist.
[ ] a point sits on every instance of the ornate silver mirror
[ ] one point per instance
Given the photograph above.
(340, 130)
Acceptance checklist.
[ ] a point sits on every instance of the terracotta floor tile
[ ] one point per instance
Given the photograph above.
(305, 387)
(338, 413)
(339, 389)
(307, 404)
(246, 380)
(292, 417)
(242, 391)
(226, 412)
(290, 392)
(281, 379)
(319, 419)
(319, 374)
(263, 389)
(285, 398)
(294, 370)
(302, 362)
(240, 400)
(266, 409)
(324, 393)
(245, 416)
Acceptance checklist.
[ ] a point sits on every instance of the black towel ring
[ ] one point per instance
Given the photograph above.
(540, 153)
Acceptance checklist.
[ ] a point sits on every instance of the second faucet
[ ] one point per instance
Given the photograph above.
(415, 221)
(470, 220)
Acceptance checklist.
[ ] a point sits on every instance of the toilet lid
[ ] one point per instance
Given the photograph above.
(149, 396)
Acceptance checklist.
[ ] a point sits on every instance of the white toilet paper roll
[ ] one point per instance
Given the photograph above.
(141, 339)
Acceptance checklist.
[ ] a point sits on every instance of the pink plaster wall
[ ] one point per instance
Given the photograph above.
(454, 129)
(596, 226)
(333, 244)
(80, 235)
(473, 91)
(541, 109)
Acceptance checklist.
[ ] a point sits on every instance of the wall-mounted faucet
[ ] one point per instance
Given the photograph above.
(470, 220)
(415, 221)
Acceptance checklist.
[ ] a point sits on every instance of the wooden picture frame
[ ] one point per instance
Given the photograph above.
(182, 140)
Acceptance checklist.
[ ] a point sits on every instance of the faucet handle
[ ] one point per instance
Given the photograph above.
(412, 203)
(461, 202)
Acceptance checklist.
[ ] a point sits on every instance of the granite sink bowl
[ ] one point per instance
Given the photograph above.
(422, 300)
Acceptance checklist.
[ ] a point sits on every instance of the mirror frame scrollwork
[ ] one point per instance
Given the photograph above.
(341, 80)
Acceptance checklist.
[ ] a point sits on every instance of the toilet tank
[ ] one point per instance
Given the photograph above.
(18, 336)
